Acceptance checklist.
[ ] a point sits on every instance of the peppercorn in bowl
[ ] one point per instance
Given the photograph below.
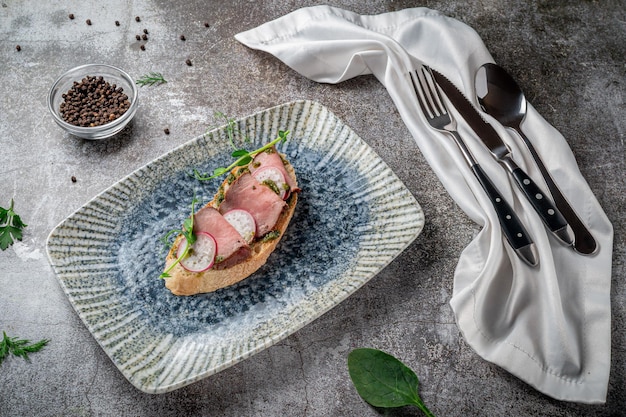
(93, 101)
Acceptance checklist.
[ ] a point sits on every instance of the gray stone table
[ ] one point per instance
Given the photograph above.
(569, 57)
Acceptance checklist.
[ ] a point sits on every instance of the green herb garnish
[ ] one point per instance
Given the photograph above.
(19, 347)
(10, 227)
(151, 78)
(187, 232)
(384, 381)
(231, 127)
(274, 234)
(243, 157)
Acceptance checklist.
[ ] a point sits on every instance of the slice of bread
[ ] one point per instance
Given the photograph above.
(184, 282)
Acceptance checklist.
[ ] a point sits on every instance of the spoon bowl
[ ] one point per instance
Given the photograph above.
(501, 97)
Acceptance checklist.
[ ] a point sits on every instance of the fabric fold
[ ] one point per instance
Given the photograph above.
(549, 325)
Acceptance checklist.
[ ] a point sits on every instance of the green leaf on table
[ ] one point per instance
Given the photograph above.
(10, 226)
(384, 381)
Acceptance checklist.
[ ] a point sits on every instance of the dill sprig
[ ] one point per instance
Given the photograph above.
(19, 347)
(151, 78)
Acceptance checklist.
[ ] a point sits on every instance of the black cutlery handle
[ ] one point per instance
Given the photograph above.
(584, 241)
(512, 227)
(545, 208)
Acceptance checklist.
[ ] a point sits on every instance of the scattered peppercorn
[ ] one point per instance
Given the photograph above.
(18, 48)
(166, 131)
(188, 62)
(89, 22)
(182, 38)
(145, 31)
(93, 101)
(138, 37)
(144, 37)
(143, 47)
(73, 178)
(71, 16)
(137, 19)
(206, 24)
(117, 23)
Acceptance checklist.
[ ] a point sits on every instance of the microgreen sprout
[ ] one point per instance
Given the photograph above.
(243, 157)
(187, 232)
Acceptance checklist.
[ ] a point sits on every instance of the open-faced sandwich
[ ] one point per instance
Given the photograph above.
(235, 233)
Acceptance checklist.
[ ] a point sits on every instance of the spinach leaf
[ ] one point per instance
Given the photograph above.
(384, 381)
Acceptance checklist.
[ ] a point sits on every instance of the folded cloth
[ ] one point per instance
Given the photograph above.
(549, 325)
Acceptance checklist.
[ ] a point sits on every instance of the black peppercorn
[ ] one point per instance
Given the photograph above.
(117, 23)
(182, 38)
(143, 47)
(137, 19)
(188, 62)
(144, 37)
(145, 31)
(93, 102)
(18, 48)
(71, 16)
(166, 131)
(206, 24)
(138, 37)
(73, 178)
(88, 22)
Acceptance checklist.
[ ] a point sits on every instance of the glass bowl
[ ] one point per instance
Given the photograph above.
(111, 74)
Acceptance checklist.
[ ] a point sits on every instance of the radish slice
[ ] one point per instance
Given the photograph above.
(201, 255)
(243, 222)
(273, 174)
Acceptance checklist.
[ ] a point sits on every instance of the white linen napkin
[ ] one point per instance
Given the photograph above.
(549, 325)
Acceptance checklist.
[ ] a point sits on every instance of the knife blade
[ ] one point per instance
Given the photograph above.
(541, 203)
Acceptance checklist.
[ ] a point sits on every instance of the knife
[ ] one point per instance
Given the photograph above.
(545, 208)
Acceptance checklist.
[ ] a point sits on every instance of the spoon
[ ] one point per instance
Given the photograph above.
(500, 96)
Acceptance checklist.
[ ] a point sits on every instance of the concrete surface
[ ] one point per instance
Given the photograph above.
(567, 55)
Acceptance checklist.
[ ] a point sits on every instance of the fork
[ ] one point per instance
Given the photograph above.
(436, 113)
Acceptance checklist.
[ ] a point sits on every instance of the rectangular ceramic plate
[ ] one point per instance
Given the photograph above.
(353, 217)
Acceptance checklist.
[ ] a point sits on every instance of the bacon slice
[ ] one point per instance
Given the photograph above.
(273, 159)
(258, 199)
(229, 241)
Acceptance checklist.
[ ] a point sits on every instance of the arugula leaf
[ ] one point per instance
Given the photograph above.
(384, 381)
(10, 227)
(17, 347)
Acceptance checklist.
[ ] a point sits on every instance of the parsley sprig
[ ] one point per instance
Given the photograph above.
(19, 347)
(10, 226)
(187, 232)
(243, 157)
(151, 78)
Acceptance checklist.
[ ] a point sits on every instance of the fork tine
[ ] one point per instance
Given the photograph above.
(419, 92)
(433, 89)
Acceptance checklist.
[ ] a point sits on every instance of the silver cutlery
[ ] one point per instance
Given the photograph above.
(543, 206)
(500, 96)
(438, 117)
